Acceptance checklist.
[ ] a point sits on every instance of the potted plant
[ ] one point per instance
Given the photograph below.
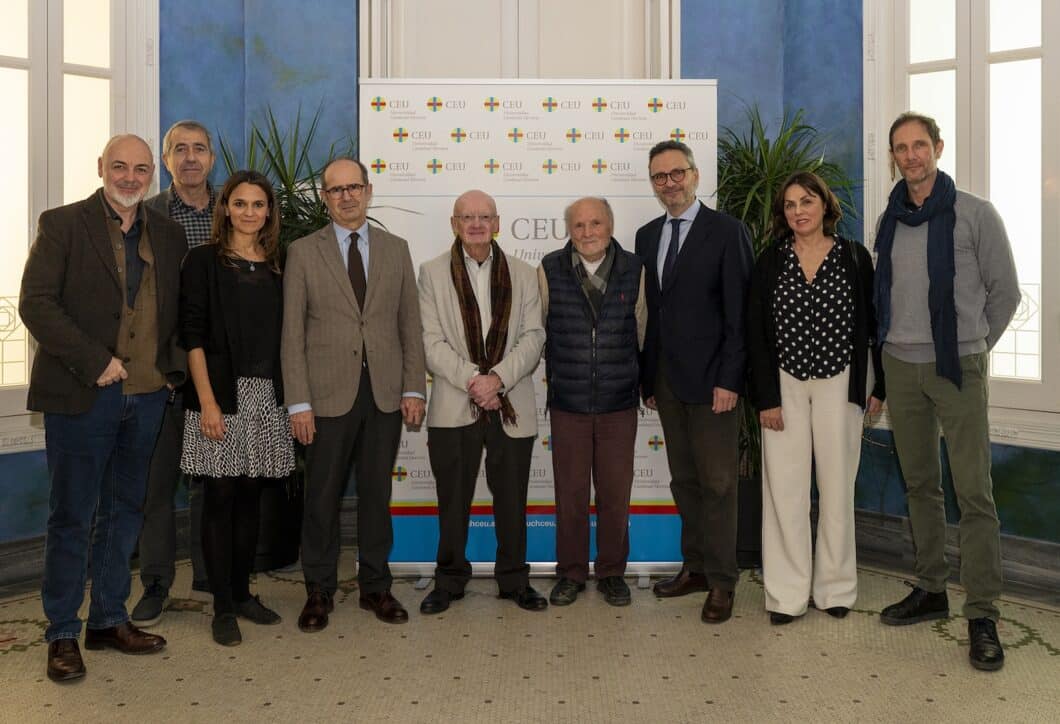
(283, 155)
(752, 166)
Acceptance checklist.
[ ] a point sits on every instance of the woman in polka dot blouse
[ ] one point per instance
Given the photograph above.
(811, 324)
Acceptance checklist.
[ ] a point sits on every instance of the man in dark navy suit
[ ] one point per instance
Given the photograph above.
(698, 266)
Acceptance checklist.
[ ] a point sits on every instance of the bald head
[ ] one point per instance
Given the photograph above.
(590, 224)
(475, 222)
(126, 167)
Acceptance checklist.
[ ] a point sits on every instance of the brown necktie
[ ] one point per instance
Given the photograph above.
(355, 268)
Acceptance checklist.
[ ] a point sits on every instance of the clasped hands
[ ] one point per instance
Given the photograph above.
(484, 391)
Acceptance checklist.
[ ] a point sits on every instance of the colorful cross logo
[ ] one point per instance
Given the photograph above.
(655, 442)
(399, 473)
(574, 135)
(378, 165)
(378, 103)
(655, 105)
(599, 104)
(599, 166)
(491, 166)
(515, 134)
(434, 166)
(491, 104)
(621, 135)
(677, 135)
(546, 442)
(400, 134)
(434, 104)
(549, 166)
(458, 135)
(549, 104)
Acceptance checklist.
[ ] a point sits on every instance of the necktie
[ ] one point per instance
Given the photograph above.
(671, 252)
(355, 268)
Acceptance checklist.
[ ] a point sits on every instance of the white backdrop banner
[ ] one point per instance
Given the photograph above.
(535, 146)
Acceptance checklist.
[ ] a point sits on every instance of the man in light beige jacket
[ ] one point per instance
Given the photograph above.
(353, 369)
(483, 337)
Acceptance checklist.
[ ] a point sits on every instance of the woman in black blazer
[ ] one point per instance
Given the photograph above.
(235, 427)
(811, 324)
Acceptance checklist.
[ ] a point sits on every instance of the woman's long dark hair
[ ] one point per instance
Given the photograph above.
(268, 237)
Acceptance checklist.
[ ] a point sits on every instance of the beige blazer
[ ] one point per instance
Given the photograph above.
(324, 329)
(448, 358)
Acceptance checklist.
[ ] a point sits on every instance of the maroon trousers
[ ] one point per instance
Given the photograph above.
(597, 451)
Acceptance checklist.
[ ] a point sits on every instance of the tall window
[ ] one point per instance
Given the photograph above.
(64, 94)
(980, 68)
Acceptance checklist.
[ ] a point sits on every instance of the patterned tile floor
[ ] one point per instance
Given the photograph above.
(486, 660)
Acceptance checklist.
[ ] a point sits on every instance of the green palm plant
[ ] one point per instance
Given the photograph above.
(284, 156)
(752, 167)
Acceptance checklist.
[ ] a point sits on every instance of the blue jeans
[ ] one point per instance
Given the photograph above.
(97, 465)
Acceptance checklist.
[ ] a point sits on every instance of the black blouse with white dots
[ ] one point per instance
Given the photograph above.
(814, 320)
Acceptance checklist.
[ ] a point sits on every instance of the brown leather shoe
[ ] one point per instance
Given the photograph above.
(125, 638)
(64, 660)
(682, 584)
(718, 606)
(314, 616)
(387, 608)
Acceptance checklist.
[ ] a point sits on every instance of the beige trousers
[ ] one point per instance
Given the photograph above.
(820, 426)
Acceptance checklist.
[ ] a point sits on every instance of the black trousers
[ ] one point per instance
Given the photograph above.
(456, 454)
(702, 452)
(365, 439)
(158, 538)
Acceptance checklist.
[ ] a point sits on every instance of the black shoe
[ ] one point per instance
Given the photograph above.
(201, 585)
(150, 607)
(615, 590)
(527, 598)
(438, 601)
(254, 610)
(984, 650)
(837, 611)
(920, 605)
(779, 619)
(565, 592)
(225, 629)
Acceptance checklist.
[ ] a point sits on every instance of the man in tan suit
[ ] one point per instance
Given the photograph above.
(353, 369)
(483, 337)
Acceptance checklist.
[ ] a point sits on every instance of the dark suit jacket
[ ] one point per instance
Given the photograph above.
(209, 318)
(72, 302)
(696, 323)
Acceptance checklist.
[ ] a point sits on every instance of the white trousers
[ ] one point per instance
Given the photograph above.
(822, 425)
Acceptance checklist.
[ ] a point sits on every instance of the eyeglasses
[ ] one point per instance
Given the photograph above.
(481, 218)
(677, 176)
(337, 192)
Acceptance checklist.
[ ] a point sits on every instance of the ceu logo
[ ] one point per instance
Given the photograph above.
(546, 442)
(599, 105)
(378, 103)
(599, 166)
(400, 134)
(621, 135)
(399, 473)
(491, 166)
(458, 135)
(574, 135)
(549, 166)
(655, 105)
(655, 442)
(378, 166)
(549, 104)
(491, 104)
(677, 135)
(434, 104)
(515, 135)
(698, 136)
(435, 166)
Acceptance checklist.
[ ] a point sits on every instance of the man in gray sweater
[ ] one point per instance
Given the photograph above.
(946, 289)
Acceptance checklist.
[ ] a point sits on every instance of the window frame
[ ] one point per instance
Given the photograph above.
(1022, 413)
(133, 74)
